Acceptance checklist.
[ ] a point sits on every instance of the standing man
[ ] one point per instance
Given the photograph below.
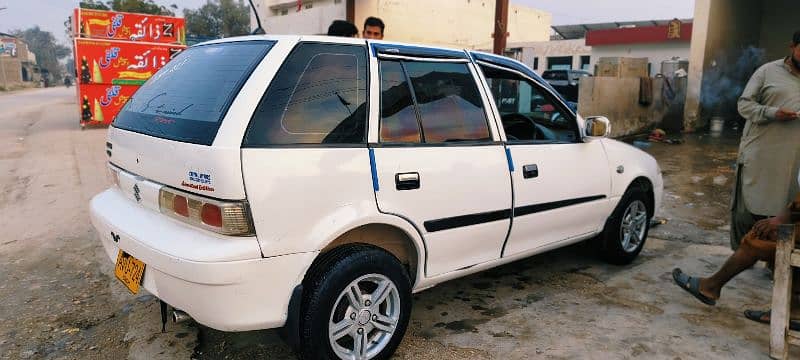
(373, 28)
(769, 153)
(342, 28)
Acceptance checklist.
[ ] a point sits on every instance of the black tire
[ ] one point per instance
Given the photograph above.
(610, 241)
(328, 278)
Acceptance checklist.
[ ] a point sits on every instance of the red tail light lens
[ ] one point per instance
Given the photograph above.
(180, 206)
(224, 217)
(211, 215)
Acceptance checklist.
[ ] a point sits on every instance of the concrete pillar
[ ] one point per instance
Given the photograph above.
(697, 57)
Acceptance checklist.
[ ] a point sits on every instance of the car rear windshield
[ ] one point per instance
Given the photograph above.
(187, 99)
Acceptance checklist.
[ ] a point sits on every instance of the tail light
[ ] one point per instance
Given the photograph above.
(224, 217)
(114, 172)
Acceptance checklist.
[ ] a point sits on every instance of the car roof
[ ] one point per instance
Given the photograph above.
(293, 38)
(390, 47)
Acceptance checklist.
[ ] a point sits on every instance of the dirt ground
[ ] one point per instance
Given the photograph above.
(61, 301)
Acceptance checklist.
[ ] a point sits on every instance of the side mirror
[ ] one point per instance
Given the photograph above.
(597, 127)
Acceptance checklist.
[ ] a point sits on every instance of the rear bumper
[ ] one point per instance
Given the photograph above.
(215, 286)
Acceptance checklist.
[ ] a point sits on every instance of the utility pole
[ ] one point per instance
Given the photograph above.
(3, 70)
(500, 26)
(2, 65)
(350, 11)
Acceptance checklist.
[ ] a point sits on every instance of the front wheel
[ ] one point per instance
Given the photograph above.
(357, 306)
(626, 230)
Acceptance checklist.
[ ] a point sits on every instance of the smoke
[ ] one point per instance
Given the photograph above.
(724, 81)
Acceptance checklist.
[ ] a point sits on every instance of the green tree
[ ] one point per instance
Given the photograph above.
(84, 4)
(48, 52)
(141, 6)
(93, 4)
(218, 18)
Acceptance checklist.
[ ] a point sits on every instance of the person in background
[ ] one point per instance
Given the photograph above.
(769, 152)
(373, 28)
(342, 28)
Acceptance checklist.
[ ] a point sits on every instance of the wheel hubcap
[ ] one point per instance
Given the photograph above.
(364, 317)
(634, 225)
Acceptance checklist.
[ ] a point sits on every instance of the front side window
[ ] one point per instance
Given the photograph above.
(528, 112)
(441, 104)
(319, 96)
(399, 122)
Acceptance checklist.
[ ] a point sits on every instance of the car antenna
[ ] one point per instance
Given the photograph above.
(259, 30)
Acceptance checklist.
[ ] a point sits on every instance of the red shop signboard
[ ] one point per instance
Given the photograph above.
(98, 24)
(120, 62)
(100, 103)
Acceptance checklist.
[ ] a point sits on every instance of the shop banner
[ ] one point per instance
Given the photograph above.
(100, 103)
(120, 62)
(98, 24)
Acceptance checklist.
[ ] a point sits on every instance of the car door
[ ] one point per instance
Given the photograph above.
(561, 183)
(437, 162)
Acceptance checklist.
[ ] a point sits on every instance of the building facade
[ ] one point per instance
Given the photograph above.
(449, 23)
(552, 55)
(17, 64)
(657, 43)
(580, 46)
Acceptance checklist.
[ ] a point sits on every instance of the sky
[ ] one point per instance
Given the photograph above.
(51, 14)
(569, 12)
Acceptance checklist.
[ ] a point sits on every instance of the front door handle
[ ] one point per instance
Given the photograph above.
(407, 181)
(530, 171)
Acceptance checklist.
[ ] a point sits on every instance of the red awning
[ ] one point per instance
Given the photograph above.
(636, 35)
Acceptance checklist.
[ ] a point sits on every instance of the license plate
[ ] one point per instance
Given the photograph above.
(129, 270)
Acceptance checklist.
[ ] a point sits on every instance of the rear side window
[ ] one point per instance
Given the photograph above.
(319, 96)
(188, 98)
(448, 104)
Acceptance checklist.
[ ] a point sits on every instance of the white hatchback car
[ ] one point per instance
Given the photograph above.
(314, 183)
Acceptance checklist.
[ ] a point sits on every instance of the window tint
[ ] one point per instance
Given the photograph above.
(187, 99)
(398, 117)
(528, 112)
(555, 75)
(448, 101)
(317, 97)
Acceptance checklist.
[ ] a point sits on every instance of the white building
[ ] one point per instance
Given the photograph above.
(450, 23)
(552, 55)
(581, 46)
(650, 40)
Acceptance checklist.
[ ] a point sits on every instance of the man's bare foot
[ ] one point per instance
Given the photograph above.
(708, 291)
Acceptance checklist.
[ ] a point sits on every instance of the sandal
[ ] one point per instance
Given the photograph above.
(758, 316)
(691, 285)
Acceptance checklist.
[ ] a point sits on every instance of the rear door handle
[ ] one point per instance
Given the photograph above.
(407, 181)
(530, 171)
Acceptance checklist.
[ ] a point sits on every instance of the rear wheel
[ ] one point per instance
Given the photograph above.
(626, 230)
(357, 305)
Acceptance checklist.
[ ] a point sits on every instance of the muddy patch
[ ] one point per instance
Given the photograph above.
(464, 325)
